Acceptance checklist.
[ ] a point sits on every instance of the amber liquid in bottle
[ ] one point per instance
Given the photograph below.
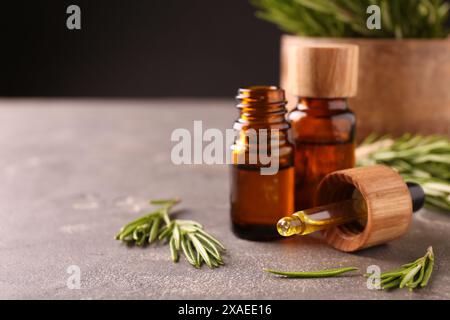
(258, 201)
(324, 136)
(350, 215)
(340, 213)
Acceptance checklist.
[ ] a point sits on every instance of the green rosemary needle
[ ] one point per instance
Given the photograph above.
(183, 236)
(347, 18)
(411, 275)
(313, 274)
(421, 159)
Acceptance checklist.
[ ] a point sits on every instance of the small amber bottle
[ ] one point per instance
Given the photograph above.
(261, 192)
(323, 126)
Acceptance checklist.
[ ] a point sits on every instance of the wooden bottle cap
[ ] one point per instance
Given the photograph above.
(326, 71)
(388, 200)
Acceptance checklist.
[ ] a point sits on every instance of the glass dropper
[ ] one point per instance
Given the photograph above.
(339, 213)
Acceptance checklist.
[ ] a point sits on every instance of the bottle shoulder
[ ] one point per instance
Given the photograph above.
(241, 124)
(297, 115)
(316, 127)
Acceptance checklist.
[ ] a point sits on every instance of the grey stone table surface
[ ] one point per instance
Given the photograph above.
(74, 171)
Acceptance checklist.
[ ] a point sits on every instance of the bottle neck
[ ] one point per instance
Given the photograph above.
(262, 107)
(322, 104)
(262, 127)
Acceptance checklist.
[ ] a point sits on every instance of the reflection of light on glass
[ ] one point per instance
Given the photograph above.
(323, 217)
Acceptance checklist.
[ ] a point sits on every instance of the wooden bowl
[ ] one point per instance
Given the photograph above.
(403, 85)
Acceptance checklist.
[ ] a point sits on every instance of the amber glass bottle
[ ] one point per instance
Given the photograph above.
(324, 135)
(323, 126)
(259, 199)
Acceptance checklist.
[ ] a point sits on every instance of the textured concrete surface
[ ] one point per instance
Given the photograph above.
(73, 172)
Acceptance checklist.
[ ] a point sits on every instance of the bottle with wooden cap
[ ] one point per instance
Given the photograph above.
(358, 208)
(323, 126)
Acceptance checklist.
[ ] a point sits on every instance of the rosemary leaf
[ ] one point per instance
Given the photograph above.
(189, 257)
(173, 250)
(428, 269)
(176, 237)
(421, 159)
(165, 231)
(312, 274)
(412, 285)
(411, 274)
(154, 230)
(200, 249)
(209, 246)
(391, 285)
(347, 18)
(183, 236)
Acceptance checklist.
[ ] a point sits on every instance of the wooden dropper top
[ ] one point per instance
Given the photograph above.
(383, 202)
(387, 198)
(326, 71)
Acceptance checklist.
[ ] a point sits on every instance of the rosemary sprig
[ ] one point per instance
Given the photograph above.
(347, 18)
(411, 275)
(312, 274)
(183, 236)
(421, 159)
(146, 229)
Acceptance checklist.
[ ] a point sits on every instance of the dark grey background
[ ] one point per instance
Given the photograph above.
(136, 48)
